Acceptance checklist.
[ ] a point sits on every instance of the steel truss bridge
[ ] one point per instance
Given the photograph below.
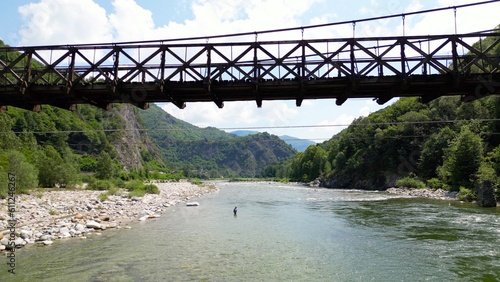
(339, 68)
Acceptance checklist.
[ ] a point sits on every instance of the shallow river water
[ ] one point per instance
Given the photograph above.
(284, 233)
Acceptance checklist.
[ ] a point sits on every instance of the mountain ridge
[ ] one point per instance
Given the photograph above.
(297, 143)
(210, 152)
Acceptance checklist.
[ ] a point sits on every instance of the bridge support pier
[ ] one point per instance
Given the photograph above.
(340, 100)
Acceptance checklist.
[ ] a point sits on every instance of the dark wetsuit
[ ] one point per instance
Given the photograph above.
(235, 210)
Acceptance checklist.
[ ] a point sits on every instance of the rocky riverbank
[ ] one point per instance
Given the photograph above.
(43, 217)
(439, 194)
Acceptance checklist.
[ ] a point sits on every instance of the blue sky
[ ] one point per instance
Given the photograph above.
(43, 22)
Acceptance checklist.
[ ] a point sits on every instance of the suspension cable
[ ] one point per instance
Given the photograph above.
(403, 16)
(455, 16)
(293, 28)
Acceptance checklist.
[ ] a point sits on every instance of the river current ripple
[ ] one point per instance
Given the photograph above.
(284, 233)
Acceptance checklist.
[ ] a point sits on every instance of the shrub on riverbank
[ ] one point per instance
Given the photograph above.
(409, 182)
(151, 189)
(434, 183)
(466, 195)
(137, 188)
(100, 185)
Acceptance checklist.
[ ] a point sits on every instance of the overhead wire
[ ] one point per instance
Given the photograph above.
(260, 127)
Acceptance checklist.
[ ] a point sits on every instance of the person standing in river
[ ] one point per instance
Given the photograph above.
(235, 210)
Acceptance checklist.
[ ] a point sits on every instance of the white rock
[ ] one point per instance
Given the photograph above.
(19, 242)
(26, 234)
(65, 235)
(93, 224)
(47, 243)
(64, 230)
(4, 241)
(79, 227)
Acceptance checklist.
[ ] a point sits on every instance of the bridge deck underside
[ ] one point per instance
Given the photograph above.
(382, 89)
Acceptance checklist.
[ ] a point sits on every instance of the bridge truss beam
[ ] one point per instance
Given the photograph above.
(379, 68)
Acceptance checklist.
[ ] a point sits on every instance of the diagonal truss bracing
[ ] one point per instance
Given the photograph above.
(379, 68)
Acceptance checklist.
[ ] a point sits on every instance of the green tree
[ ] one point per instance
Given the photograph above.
(49, 165)
(15, 162)
(432, 153)
(68, 169)
(462, 159)
(105, 166)
(26, 173)
(8, 140)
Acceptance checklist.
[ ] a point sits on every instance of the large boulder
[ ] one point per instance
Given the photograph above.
(486, 195)
(93, 224)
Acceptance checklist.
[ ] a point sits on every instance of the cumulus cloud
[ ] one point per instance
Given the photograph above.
(63, 22)
(235, 114)
(131, 22)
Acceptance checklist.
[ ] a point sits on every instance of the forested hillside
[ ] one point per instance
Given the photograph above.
(446, 140)
(447, 143)
(210, 152)
(444, 144)
(55, 146)
(298, 144)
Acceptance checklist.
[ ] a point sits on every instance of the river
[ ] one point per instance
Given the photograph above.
(283, 233)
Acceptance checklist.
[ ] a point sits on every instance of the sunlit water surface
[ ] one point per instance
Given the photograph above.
(284, 233)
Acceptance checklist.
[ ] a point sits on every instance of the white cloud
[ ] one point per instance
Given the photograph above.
(131, 22)
(63, 22)
(331, 127)
(235, 114)
(364, 111)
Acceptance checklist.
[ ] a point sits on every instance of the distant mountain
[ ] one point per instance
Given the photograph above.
(297, 143)
(212, 152)
(243, 132)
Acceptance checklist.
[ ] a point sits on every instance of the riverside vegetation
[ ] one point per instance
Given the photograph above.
(445, 144)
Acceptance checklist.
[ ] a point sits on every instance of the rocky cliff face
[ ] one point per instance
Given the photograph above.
(132, 140)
